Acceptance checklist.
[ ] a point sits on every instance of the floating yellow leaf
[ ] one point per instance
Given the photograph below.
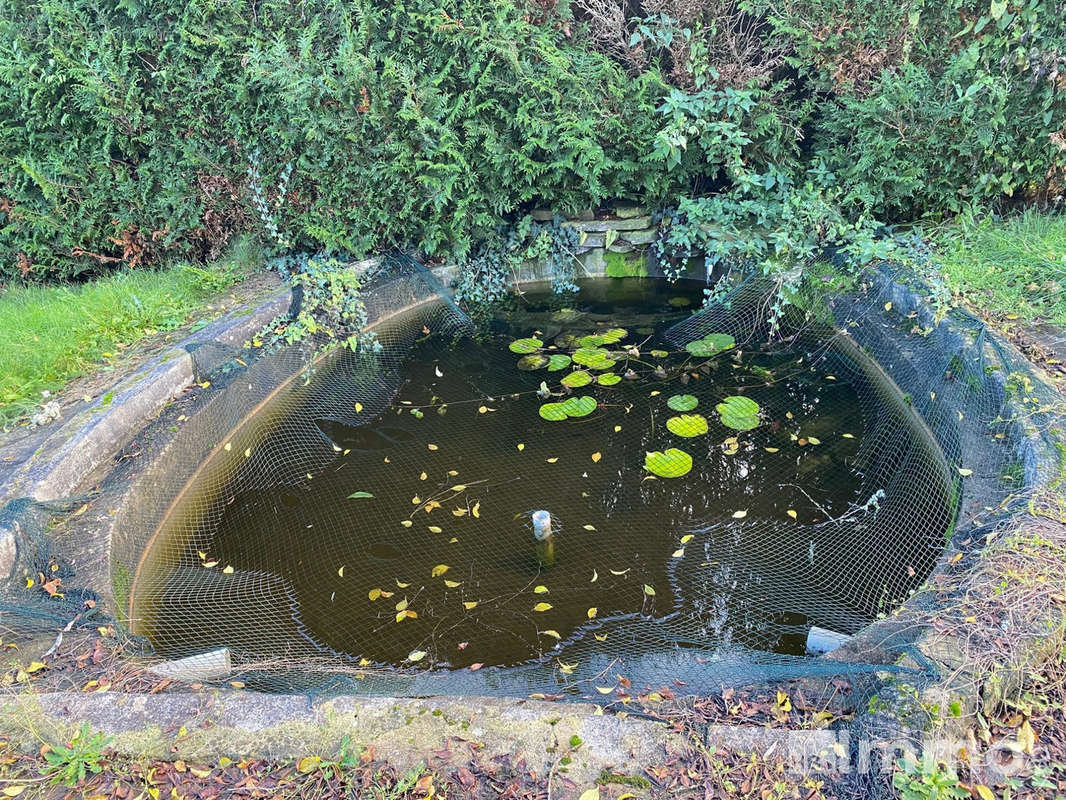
(521, 446)
(813, 440)
(542, 606)
(596, 457)
(476, 510)
(649, 591)
(423, 476)
(552, 460)
(540, 589)
(228, 446)
(459, 512)
(439, 570)
(469, 604)
(739, 514)
(686, 538)
(459, 487)
(210, 564)
(435, 529)
(589, 527)
(248, 453)
(358, 408)
(791, 512)
(567, 669)
(771, 449)
(592, 612)
(600, 637)
(595, 576)
(340, 572)
(617, 428)
(228, 570)
(416, 500)
(605, 689)
(406, 523)
(374, 594)
(848, 435)
(401, 585)
(401, 605)
(406, 614)
(551, 633)
(453, 584)
(788, 415)
(620, 571)
(678, 553)
(965, 472)
(416, 655)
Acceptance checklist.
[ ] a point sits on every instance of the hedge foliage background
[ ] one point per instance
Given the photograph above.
(133, 130)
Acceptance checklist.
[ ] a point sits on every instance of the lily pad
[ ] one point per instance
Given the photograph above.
(577, 379)
(687, 425)
(591, 341)
(711, 345)
(568, 340)
(679, 302)
(553, 412)
(557, 362)
(579, 406)
(671, 463)
(682, 402)
(739, 413)
(608, 379)
(532, 362)
(587, 356)
(659, 353)
(523, 346)
(613, 335)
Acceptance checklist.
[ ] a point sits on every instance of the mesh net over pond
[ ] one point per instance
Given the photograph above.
(721, 500)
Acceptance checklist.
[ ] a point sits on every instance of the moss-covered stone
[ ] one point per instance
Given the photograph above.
(626, 265)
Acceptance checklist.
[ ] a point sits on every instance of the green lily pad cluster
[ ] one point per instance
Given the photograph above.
(576, 379)
(711, 345)
(532, 362)
(571, 407)
(739, 413)
(682, 402)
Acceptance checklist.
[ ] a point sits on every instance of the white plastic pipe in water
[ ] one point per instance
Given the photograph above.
(542, 525)
(823, 640)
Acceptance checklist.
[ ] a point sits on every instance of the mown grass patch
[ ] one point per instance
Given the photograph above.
(52, 334)
(1012, 268)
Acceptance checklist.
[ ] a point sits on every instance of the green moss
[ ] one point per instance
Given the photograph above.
(626, 265)
(635, 781)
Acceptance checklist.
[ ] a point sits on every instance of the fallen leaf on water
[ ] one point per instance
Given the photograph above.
(374, 594)
(435, 529)
(521, 446)
(595, 576)
(469, 604)
(551, 633)
(791, 512)
(401, 605)
(340, 572)
(476, 510)
(228, 570)
(439, 570)
(432, 447)
(686, 538)
(476, 666)
(620, 572)
(649, 591)
(416, 655)
(678, 553)
(358, 407)
(739, 514)
(406, 523)
(965, 472)
(604, 690)
(596, 457)
(553, 460)
(542, 606)
(600, 637)
(589, 527)
(540, 589)
(567, 669)
(453, 584)
(591, 613)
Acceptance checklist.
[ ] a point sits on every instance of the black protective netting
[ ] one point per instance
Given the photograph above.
(300, 518)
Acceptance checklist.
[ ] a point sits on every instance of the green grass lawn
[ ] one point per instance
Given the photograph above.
(51, 334)
(1012, 268)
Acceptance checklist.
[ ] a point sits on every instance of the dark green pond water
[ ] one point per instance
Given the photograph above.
(416, 545)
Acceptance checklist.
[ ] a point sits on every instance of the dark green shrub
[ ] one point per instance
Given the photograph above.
(128, 131)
